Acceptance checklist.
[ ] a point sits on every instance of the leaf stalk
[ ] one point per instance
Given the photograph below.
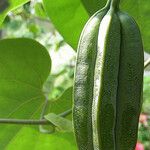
(32, 122)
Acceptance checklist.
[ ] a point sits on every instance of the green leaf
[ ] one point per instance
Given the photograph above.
(146, 97)
(30, 138)
(139, 10)
(13, 4)
(62, 124)
(39, 11)
(24, 66)
(143, 19)
(93, 5)
(68, 16)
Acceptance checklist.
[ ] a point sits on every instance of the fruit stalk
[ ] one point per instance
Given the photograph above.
(115, 4)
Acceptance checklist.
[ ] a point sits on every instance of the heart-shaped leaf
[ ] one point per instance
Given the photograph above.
(24, 66)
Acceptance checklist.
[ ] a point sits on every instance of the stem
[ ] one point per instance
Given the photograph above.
(66, 113)
(115, 4)
(24, 122)
(44, 109)
(32, 122)
(147, 63)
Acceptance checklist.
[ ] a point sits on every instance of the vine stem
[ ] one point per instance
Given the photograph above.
(32, 122)
(24, 121)
(147, 63)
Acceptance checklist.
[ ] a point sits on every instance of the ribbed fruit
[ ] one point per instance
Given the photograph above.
(108, 81)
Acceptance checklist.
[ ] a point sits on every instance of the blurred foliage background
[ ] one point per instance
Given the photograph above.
(31, 21)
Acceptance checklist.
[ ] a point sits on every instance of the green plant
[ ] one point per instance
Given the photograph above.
(27, 108)
(108, 81)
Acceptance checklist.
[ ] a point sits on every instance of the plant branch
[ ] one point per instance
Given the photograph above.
(66, 113)
(147, 62)
(32, 122)
(24, 122)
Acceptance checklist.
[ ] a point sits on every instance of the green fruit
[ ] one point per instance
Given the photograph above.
(129, 96)
(108, 81)
(84, 82)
